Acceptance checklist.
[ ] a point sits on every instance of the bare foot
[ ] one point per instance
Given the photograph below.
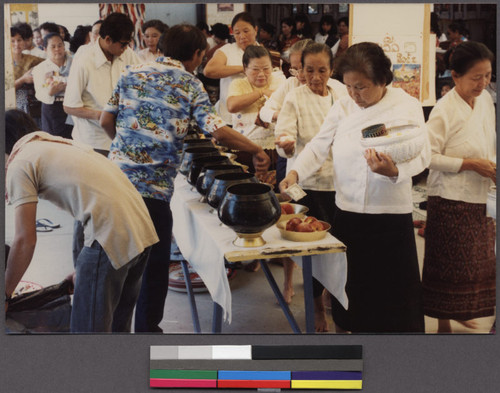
(253, 266)
(320, 323)
(470, 324)
(288, 293)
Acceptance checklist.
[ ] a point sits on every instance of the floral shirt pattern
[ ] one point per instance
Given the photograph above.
(154, 104)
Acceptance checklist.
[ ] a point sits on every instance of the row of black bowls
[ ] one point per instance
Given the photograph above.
(242, 202)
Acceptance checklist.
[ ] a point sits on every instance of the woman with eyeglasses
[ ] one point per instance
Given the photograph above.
(246, 96)
(226, 64)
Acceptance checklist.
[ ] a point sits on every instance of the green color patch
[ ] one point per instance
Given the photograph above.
(183, 374)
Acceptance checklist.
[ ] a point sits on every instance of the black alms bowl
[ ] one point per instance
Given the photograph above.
(249, 208)
(198, 163)
(223, 181)
(195, 152)
(208, 173)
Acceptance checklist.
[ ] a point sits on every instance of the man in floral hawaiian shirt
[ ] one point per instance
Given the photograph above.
(147, 117)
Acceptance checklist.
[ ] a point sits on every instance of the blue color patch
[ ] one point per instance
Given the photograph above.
(255, 375)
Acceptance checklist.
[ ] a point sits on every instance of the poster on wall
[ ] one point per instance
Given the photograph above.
(24, 13)
(403, 32)
(222, 12)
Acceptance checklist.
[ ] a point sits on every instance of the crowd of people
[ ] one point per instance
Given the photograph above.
(292, 105)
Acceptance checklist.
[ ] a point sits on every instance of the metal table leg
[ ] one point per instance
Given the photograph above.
(217, 319)
(279, 296)
(308, 292)
(192, 301)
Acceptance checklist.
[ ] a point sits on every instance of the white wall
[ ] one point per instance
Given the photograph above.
(72, 15)
(172, 13)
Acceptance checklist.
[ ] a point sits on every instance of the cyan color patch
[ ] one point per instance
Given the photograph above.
(255, 375)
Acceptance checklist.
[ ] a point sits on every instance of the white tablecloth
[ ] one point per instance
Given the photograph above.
(203, 241)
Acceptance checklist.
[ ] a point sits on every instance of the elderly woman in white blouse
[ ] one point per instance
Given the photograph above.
(300, 119)
(373, 195)
(459, 263)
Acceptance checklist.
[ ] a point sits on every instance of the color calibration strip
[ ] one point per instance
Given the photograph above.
(257, 366)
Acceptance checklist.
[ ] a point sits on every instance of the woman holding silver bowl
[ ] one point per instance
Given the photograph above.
(373, 196)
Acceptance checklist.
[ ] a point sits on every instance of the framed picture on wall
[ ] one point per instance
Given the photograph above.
(327, 8)
(312, 9)
(222, 12)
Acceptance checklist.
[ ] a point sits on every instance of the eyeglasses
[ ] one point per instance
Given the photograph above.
(259, 70)
(294, 71)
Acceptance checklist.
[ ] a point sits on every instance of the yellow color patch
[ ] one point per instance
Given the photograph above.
(300, 384)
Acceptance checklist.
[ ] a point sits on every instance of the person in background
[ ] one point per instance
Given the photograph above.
(207, 32)
(50, 79)
(373, 199)
(29, 47)
(94, 191)
(37, 38)
(94, 35)
(440, 37)
(446, 89)
(327, 33)
(64, 33)
(81, 36)
(93, 75)
(287, 38)
(245, 98)
(266, 36)
(459, 263)
(49, 27)
(152, 30)
(300, 119)
(455, 34)
(134, 118)
(267, 40)
(343, 43)
(303, 27)
(23, 65)
(220, 34)
(226, 64)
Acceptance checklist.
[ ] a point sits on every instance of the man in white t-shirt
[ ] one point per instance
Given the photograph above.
(94, 73)
(118, 229)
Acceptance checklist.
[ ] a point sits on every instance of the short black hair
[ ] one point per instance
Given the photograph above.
(344, 19)
(48, 37)
(202, 26)
(289, 22)
(182, 41)
(79, 37)
(315, 48)
(245, 17)
(117, 26)
(25, 30)
(17, 125)
(367, 58)
(221, 31)
(268, 27)
(328, 19)
(467, 54)
(255, 52)
(16, 31)
(50, 27)
(156, 24)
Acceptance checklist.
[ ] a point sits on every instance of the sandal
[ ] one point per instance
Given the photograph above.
(42, 228)
(45, 222)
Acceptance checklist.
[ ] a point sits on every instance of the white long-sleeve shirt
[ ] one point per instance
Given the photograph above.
(301, 117)
(359, 189)
(457, 131)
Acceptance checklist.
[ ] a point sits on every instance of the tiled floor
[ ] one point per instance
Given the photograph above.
(254, 310)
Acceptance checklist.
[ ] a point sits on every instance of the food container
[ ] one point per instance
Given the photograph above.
(223, 181)
(374, 131)
(298, 211)
(249, 209)
(208, 173)
(403, 142)
(283, 197)
(198, 163)
(302, 236)
(195, 152)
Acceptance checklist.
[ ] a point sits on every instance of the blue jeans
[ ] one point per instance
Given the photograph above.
(151, 302)
(105, 298)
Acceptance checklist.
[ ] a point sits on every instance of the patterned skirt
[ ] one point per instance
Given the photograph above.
(459, 265)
